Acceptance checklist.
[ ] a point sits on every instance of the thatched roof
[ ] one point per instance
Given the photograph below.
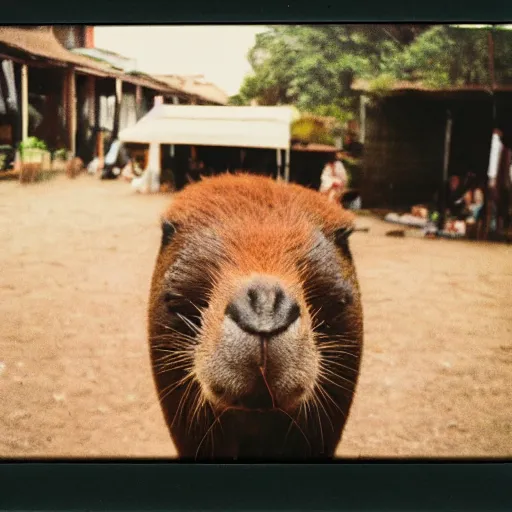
(40, 43)
(399, 86)
(195, 85)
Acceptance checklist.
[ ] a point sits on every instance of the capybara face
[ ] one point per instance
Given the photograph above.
(255, 319)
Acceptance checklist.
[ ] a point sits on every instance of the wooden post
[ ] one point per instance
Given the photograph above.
(138, 101)
(446, 162)
(24, 102)
(287, 165)
(99, 146)
(362, 115)
(91, 101)
(278, 157)
(70, 105)
(117, 114)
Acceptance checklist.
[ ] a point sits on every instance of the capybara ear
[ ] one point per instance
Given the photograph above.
(168, 231)
(341, 237)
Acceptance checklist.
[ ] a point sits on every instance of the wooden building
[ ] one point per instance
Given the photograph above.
(404, 135)
(68, 99)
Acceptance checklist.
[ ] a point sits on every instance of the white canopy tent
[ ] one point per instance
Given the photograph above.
(251, 127)
(244, 127)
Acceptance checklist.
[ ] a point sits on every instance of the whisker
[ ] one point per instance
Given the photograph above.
(315, 400)
(169, 368)
(217, 419)
(322, 376)
(189, 323)
(164, 393)
(334, 374)
(323, 407)
(327, 395)
(294, 422)
(340, 365)
(183, 399)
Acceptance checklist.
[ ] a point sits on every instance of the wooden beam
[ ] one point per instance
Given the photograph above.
(24, 102)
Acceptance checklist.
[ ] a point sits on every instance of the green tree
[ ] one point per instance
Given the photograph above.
(313, 66)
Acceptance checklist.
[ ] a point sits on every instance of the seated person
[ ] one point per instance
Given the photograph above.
(455, 197)
(474, 202)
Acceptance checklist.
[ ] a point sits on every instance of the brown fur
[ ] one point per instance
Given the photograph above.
(227, 229)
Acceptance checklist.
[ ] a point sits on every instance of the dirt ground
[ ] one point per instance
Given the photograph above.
(75, 264)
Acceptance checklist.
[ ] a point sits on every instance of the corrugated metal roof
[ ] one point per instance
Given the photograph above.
(196, 86)
(113, 59)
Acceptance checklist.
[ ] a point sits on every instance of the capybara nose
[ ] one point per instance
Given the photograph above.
(262, 306)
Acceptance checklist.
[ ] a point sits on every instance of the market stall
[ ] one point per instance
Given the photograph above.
(196, 126)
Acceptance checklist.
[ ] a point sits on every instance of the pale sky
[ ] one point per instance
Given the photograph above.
(217, 52)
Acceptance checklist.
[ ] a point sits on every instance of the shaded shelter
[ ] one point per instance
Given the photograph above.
(222, 138)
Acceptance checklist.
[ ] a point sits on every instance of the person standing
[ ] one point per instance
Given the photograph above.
(334, 180)
(499, 181)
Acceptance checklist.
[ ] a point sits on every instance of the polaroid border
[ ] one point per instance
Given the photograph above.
(344, 485)
(137, 484)
(261, 12)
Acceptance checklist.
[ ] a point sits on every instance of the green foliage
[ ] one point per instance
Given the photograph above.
(314, 129)
(32, 143)
(313, 67)
(444, 56)
(381, 85)
(60, 154)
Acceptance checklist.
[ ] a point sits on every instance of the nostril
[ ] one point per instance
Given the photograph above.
(253, 298)
(293, 313)
(279, 299)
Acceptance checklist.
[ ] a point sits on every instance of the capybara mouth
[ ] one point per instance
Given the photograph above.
(260, 399)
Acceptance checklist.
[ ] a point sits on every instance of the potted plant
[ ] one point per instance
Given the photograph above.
(34, 157)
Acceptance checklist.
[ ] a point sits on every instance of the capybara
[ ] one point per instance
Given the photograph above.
(255, 320)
